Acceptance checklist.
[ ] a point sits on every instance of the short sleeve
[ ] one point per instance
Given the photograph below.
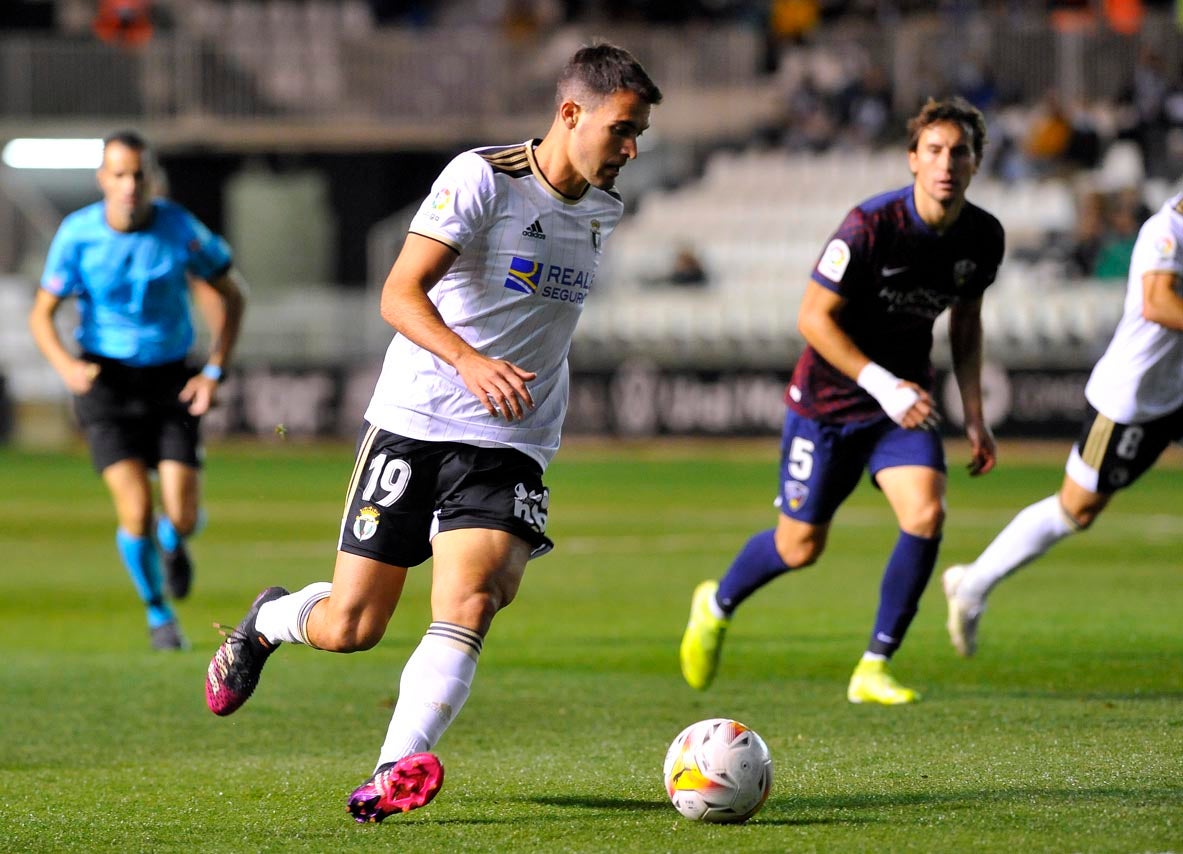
(844, 259)
(454, 210)
(992, 258)
(62, 277)
(209, 254)
(1157, 248)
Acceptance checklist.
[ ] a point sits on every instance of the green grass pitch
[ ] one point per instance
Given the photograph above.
(1064, 734)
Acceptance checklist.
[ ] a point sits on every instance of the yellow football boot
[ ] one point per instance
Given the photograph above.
(703, 639)
(871, 683)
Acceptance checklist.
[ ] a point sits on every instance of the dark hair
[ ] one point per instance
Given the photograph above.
(132, 139)
(955, 109)
(598, 70)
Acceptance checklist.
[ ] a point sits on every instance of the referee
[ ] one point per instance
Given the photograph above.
(131, 261)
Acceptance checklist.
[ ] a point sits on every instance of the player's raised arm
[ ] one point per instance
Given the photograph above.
(499, 385)
(965, 341)
(818, 321)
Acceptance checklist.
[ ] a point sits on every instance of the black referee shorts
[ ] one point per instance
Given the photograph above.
(133, 413)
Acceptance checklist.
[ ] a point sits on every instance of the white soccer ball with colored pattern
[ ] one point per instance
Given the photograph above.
(718, 770)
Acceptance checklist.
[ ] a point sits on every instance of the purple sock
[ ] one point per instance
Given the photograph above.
(907, 573)
(756, 564)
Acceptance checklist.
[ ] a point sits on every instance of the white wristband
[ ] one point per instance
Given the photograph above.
(885, 387)
(877, 380)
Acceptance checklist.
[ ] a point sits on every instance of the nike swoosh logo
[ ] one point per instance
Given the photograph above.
(886, 272)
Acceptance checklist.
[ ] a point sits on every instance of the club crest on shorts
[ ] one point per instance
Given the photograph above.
(530, 506)
(365, 524)
(797, 493)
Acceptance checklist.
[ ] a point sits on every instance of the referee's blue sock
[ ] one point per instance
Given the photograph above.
(166, 534)
(143, 565)
(756, 564)
(907, 573)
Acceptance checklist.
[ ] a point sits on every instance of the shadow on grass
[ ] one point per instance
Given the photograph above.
(797, 810)
(1072, 696)
(973, 799)
(595, 802)
(776, 812)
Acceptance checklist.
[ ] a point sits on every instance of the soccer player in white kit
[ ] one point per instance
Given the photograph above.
(484, 298)
(1135, 397)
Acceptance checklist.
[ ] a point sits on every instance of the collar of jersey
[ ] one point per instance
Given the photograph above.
(547, 185)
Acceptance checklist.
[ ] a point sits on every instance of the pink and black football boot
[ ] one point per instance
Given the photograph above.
(234, 670)
(397, 787)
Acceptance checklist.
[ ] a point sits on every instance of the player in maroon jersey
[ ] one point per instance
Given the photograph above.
(860, 395)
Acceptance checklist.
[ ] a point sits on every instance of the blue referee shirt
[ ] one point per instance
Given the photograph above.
(133, 294)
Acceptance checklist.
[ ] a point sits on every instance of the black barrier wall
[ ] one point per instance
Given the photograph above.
(639, 400)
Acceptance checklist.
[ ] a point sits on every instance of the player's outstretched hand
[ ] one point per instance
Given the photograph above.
(199, 393)
(983, 451)
(919, 413)
(499, 385)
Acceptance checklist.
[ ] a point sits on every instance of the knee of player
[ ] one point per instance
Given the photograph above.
(476, 609)
(797, 553)
(186, 523)
(1081, 519)
(351, 634)
(926, 520)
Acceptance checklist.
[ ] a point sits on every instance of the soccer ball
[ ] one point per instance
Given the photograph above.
(718, 770)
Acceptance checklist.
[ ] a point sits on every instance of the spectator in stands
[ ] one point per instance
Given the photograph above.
(866, 107)
(1145, 122)
(791, 22)
(977, 83)
(1048, 136)
(687, 269)
(1089, 233)
(1126, 213)
(809, 122)
(129, 259)
(860, 395)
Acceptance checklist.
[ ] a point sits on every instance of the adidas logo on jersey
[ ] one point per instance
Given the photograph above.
(534, 230)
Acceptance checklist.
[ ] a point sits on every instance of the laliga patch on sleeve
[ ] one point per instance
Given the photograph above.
(1165, 247)
(834, 260)
(443, 199)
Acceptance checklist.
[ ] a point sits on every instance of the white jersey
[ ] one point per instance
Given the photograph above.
(527, 261)
(1140, 376)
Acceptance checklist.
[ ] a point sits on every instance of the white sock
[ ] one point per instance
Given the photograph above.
(285, 620)
(1035, 530)
(434, 685)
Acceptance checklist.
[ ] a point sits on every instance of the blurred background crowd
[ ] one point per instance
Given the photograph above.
(306, 131)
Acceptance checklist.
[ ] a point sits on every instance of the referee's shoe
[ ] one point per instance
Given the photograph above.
(178, 570)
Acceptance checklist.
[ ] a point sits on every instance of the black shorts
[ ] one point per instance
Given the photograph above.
(133, 413)
(1112, 456)
(405, 491)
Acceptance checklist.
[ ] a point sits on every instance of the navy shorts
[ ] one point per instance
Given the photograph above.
(405, 491)
(133, 413)
(1110, 456)
(821, 463)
